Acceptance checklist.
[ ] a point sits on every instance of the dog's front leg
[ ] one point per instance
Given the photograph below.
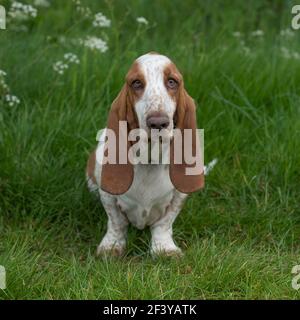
(114, 241)
(162, 242)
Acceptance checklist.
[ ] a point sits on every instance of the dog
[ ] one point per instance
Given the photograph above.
(146, 195)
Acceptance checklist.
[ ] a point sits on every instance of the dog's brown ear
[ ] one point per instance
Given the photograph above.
(117, 178)
(186, 119)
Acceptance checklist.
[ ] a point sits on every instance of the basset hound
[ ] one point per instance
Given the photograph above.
(153, 97)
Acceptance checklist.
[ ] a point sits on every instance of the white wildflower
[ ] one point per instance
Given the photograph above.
(95, 43)
(287, 54)
(287, 33)
(3, 84)
(11, 100)
(20, 11)
(71, 58)
(142, 20)
(296, 55)
(42, 3)
(60, 67)
(244, 48)
(85, 11)
(2, 73)
(62, 39)
(237, 34)
(257, 33)
(101, 21)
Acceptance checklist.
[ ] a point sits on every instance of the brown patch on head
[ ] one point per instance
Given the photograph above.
(133, 75)
(171, 73)
(176, 93)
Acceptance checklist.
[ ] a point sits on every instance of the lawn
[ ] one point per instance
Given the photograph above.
(240, 235)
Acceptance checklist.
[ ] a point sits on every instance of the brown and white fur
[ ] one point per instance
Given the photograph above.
(144, 194)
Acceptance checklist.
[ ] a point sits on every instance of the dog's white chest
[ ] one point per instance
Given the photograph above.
(149, 195)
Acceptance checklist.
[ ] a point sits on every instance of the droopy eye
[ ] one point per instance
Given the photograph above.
(172, 83)
(136, 85)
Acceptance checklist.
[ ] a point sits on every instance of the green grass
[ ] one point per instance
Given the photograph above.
(240, 235)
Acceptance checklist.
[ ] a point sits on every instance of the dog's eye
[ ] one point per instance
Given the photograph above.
(172, 83)
(137, 84)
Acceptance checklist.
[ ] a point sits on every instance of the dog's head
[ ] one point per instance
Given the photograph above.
(153, 97)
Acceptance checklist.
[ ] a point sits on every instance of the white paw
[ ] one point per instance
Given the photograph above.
(108, 247)
(161, 249)
(113, 250)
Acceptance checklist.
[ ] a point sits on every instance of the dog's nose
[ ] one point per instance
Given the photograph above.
(158, 122)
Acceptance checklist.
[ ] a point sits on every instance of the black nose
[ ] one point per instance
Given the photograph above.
(158, 122)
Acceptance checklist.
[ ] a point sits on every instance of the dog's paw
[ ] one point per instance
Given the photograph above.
(114, 250)
(166, 251)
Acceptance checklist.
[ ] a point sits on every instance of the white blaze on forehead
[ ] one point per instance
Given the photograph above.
(153, 58)
(153, 65)
(155, 96)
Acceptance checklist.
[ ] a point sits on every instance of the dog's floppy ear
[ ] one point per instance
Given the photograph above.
(186, 119)
(117, 178)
